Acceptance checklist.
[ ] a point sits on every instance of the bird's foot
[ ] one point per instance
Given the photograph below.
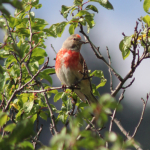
(64, 87)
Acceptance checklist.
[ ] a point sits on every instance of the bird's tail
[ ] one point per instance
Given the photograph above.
(91, 98)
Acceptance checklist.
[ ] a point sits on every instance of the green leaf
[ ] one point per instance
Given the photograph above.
(125, 46)
(89, 19)
(25, 145)
(112, 137)
(3, 118)
(20, 131)
(39, 52)
(60, 28)
(64, 97)
(34, 2)
(95, 91)
(38, 6)
(34, 117)
(21, 24)
(28, 106)
(12, 22)
(82, 21)
(104, 3)
(58, 96)
(46, 77)
(91, 7)
(10, 127)
(32, 15)
(72, 28)
(10, 60)
(78, 2)
(82, 13)
(146, 19)
(1, 70)
(16, 3)
(49, 71)
(52, 30)
(102, 83)
(43, 115)
(38, 24)
(99, 74)
(146, 6)
(64, 10)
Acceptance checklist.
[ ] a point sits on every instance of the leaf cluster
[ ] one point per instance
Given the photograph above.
(80, 13)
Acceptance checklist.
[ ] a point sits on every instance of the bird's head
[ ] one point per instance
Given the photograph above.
(73, 42)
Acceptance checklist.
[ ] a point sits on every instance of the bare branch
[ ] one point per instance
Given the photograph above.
(114, 112)
(36, 137)
(53, 49)
(49, 89)
(98, 54)
(129, 84)
(127, 134)
(51, 112)
(111, 82)
(141, 118)
(87, 127)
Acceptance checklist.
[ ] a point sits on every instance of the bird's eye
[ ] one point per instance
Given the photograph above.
(74, 39)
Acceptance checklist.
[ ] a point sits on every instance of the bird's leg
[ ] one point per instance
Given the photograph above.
(64, 87)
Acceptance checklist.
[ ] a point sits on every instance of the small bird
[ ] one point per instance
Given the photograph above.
(70, 68)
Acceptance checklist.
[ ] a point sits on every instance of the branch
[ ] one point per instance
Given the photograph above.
(129, 84)
(98, 54)
(49, 89)
(45, 96)
(9, 32)
(109, 58)
(31, 49)
(51, 112)
(36, 137)
(141, 118)
(114, 112)
(87, 127)
(127, 134)
(20, 88)
(31, 34)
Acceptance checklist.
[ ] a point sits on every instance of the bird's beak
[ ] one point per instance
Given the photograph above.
(82, 42)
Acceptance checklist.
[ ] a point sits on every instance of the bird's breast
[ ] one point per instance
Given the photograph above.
(68, 58)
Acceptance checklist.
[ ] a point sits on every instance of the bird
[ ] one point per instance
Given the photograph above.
(70, 68)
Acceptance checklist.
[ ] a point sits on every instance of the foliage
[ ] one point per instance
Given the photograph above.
(24, 96)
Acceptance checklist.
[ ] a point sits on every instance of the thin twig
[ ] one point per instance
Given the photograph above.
(9, 32)
(98, 54)
(114, 112)
(31, 34)
(49, 89)
(30, 51)
(87, 127)
(129, 84)
(53, 49)
(127, 134)
(141, 118)
(111, 82)
(45, 96)
(51, 112)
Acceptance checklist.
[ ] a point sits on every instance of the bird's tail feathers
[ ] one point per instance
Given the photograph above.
(91, 98)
